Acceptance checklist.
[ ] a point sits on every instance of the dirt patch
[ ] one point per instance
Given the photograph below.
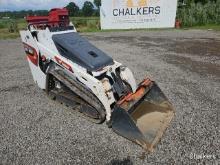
(10, 89)
(203, 47)
(202, 68)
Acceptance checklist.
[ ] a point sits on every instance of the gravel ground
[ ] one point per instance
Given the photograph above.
(186, 65)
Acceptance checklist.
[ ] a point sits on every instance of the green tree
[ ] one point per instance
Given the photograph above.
(189, 2)
(88, 9)
(97, 3)
(73, 9)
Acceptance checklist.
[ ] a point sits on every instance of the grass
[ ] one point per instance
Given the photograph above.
(4, 34)
(4, 28)
(85, 24)
(207, 27)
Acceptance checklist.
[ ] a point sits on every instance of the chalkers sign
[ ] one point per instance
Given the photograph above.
(132, 14)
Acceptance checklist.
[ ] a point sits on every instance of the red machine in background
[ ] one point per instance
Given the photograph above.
(56, 17)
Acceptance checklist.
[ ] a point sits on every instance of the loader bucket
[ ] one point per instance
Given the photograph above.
(142, 117)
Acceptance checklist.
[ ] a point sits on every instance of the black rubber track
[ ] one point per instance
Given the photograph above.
(88, 99)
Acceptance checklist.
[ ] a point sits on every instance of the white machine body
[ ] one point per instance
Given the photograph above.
(39, 44)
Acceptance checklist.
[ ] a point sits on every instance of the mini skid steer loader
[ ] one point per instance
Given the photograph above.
(73, 71)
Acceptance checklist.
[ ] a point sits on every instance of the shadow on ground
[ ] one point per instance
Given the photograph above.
(125, 161)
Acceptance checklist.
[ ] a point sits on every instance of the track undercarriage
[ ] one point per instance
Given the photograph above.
(61, 88)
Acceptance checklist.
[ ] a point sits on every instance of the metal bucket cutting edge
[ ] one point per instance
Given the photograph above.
(145, 119)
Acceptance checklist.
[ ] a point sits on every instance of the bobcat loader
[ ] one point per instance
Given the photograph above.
(76, 73)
